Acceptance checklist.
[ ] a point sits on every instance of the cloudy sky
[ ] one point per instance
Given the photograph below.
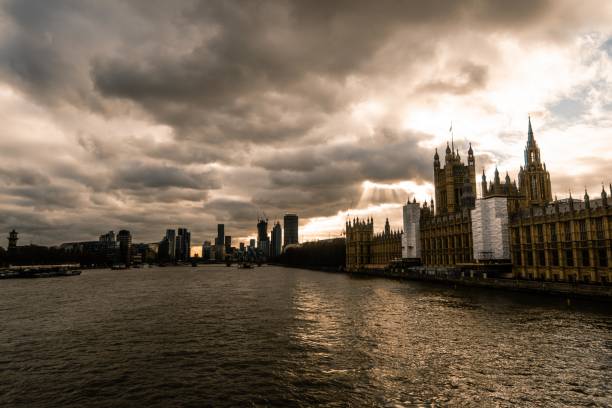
(151, 114)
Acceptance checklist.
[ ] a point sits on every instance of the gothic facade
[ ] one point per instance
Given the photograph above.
(455, 183)
(445, 231)
(567, 240)
(359, 234)
(556, 240)
(386, 246)
(365, 249)
(446, 239)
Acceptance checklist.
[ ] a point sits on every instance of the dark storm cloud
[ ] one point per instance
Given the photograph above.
(320, 180)
(167, 195)
(232, 210)
(387, 156)
(22, 177)
(136, 174)
(315, 201)
(258, 48)
(45, 197)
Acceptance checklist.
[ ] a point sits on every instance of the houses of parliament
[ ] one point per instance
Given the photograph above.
(520, 224)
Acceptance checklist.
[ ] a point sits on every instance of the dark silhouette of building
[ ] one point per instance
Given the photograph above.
(163, 254)
(276, 240)
(171, 245)
(263, 241)
(327, 253)
(228, 244)
(290, 227)
(125, 246)
(208, 252)
(220, 242)
(183, 252)
(3, 257)
(12, 241)
(108, 237)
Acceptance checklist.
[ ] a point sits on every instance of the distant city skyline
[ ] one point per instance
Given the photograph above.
(192, 114)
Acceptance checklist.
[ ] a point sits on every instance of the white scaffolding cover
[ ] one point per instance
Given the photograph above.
(490, 229)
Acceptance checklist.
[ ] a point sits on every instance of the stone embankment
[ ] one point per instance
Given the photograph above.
(456, 276)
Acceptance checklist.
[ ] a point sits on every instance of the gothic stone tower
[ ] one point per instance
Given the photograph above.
(534, 179)
(359, 234)
(455, 183)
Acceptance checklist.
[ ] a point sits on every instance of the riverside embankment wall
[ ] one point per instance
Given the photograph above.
(480, 279)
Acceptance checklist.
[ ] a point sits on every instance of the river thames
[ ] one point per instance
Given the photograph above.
(219, 336)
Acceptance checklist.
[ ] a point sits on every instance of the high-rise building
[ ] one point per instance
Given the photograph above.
(220, 242)
(164, 250)
(171, 238)
(275, 244)
(109, 245)
(290, 226)
(208, 252)
(125, 246)
(252, 243)
(184, 244)
(108, 237)
(228, 244)
(263, 241)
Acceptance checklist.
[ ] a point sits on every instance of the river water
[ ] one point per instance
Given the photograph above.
(218, 336)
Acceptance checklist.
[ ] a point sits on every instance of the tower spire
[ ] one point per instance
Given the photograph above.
(529, 132)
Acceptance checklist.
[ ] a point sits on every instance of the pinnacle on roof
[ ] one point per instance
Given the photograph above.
(470, 151)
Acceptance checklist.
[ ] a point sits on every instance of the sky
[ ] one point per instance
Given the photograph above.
(148, 115)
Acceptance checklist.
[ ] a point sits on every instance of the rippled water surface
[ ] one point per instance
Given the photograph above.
(218, 336)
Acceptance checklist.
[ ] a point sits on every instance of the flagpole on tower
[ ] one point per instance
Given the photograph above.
(452, 137)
